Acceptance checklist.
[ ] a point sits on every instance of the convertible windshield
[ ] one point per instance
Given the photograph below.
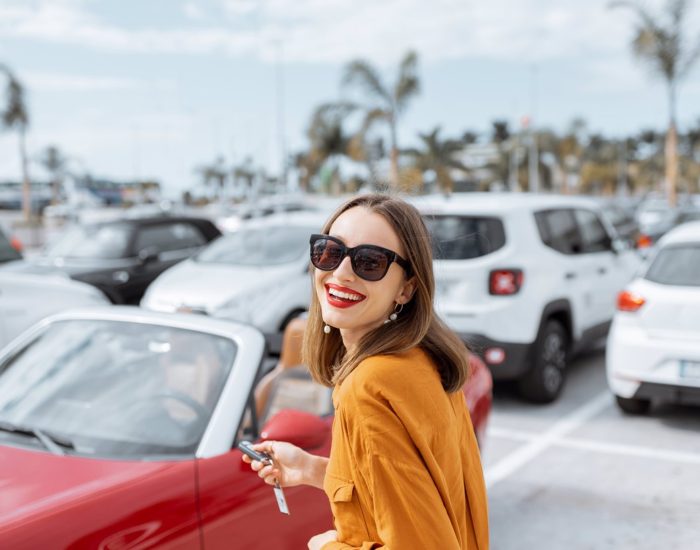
(108, 241)
(259, 247)
(114, 388)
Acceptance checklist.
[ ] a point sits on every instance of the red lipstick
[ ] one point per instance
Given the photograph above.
(342, 303)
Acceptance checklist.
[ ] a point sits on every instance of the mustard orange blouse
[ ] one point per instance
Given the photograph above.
(404, 470)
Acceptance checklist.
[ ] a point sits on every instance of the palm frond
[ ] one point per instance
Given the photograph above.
(408, 83)
(15, 114)
(371, 117)
(690, 59)
(361, 73)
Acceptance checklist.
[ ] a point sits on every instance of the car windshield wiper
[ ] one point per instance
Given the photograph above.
(51, 442)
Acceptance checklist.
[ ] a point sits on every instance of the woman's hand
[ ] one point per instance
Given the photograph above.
(290, 466)
(317, 542)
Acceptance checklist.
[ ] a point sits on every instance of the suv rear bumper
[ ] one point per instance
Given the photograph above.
(686, 395)
(517, 359)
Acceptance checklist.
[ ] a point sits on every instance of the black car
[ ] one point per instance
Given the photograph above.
(8, 252)
(123, 257)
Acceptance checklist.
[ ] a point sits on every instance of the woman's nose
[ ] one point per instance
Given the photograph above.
(344, 270)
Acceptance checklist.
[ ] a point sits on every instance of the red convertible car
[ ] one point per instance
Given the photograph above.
(118, 430)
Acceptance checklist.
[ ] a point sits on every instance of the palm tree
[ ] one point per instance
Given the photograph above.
(388, 103)
(15, 116)
(329, 140)
(503, 167)
(438, 156)
(664, 49)
(214, 175)
(244, 172)
(55, 163)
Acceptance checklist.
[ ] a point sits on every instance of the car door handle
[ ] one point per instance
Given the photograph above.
(570, 275)
(602, 271)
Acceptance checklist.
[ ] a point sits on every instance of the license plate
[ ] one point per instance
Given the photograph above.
(690, 369)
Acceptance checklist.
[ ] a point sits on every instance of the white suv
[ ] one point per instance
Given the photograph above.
(653, 348)
(526, 280)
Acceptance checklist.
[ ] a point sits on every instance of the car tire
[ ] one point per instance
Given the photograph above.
(545, 380)
(630, 405)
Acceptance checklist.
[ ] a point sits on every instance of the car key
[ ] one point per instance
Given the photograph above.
(246, 447)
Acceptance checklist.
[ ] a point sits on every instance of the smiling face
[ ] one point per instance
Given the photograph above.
(348, 302)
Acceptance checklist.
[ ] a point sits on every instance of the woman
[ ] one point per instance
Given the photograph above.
(404, 469)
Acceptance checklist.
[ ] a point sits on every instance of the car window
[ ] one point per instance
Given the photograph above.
(107, 241)
(168, 236)
(7, 253)
(259, 246)
(689, 216)
(464, 237)
(558, 230)
(594, 237)
(676, 265)
(116, 388)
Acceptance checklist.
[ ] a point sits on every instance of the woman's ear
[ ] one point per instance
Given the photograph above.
(406, 291)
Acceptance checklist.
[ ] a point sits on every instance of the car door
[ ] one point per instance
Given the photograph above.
(238, 510)
(559, 231)
(606, 266)
(160, 246)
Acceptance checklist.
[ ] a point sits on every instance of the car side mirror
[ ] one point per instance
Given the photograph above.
(299, 428)
(148, 255)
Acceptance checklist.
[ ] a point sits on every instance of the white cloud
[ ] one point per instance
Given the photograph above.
(58, 82)
(337, 30)
(192, 11)
(239, 7)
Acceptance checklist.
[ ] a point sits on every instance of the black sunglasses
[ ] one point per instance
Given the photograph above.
(369, 262)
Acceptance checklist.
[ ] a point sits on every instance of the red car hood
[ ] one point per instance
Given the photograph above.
(31, 482)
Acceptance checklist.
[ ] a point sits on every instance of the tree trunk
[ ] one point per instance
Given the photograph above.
(394, 158)
(26, 184)
(394, 169)
(671, 159)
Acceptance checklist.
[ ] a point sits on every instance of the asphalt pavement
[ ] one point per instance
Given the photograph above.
(579, 474)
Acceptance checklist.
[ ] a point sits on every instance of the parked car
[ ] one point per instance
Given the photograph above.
(688, 214)
(234, 217)
(526, 280)
(123, 257)
(655, 217)
(623, 220)
(10, 249)
(653, 349)
(118, 429)
(25, 299)
(257, 275)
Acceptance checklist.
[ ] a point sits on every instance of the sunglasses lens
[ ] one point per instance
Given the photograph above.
(370, 264)
(326, 254)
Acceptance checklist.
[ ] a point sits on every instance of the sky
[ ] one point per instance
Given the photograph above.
(156, 88)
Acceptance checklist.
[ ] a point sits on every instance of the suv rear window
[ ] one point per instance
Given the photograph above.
(464, 237)
(676, 265)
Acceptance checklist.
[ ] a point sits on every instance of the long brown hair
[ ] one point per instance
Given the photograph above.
(418, 325)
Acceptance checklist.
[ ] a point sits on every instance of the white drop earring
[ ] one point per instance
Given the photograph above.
(326, 329)
(398, 308)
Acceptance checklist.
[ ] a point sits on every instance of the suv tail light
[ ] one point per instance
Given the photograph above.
(644, 241)
(629, 301)
(16, 244)
(505, 282)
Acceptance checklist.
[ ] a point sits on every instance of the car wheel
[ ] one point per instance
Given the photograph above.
(544, 381)
(630, 405)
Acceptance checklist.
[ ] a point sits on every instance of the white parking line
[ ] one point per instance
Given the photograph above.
(518, 458)
(637, 451)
